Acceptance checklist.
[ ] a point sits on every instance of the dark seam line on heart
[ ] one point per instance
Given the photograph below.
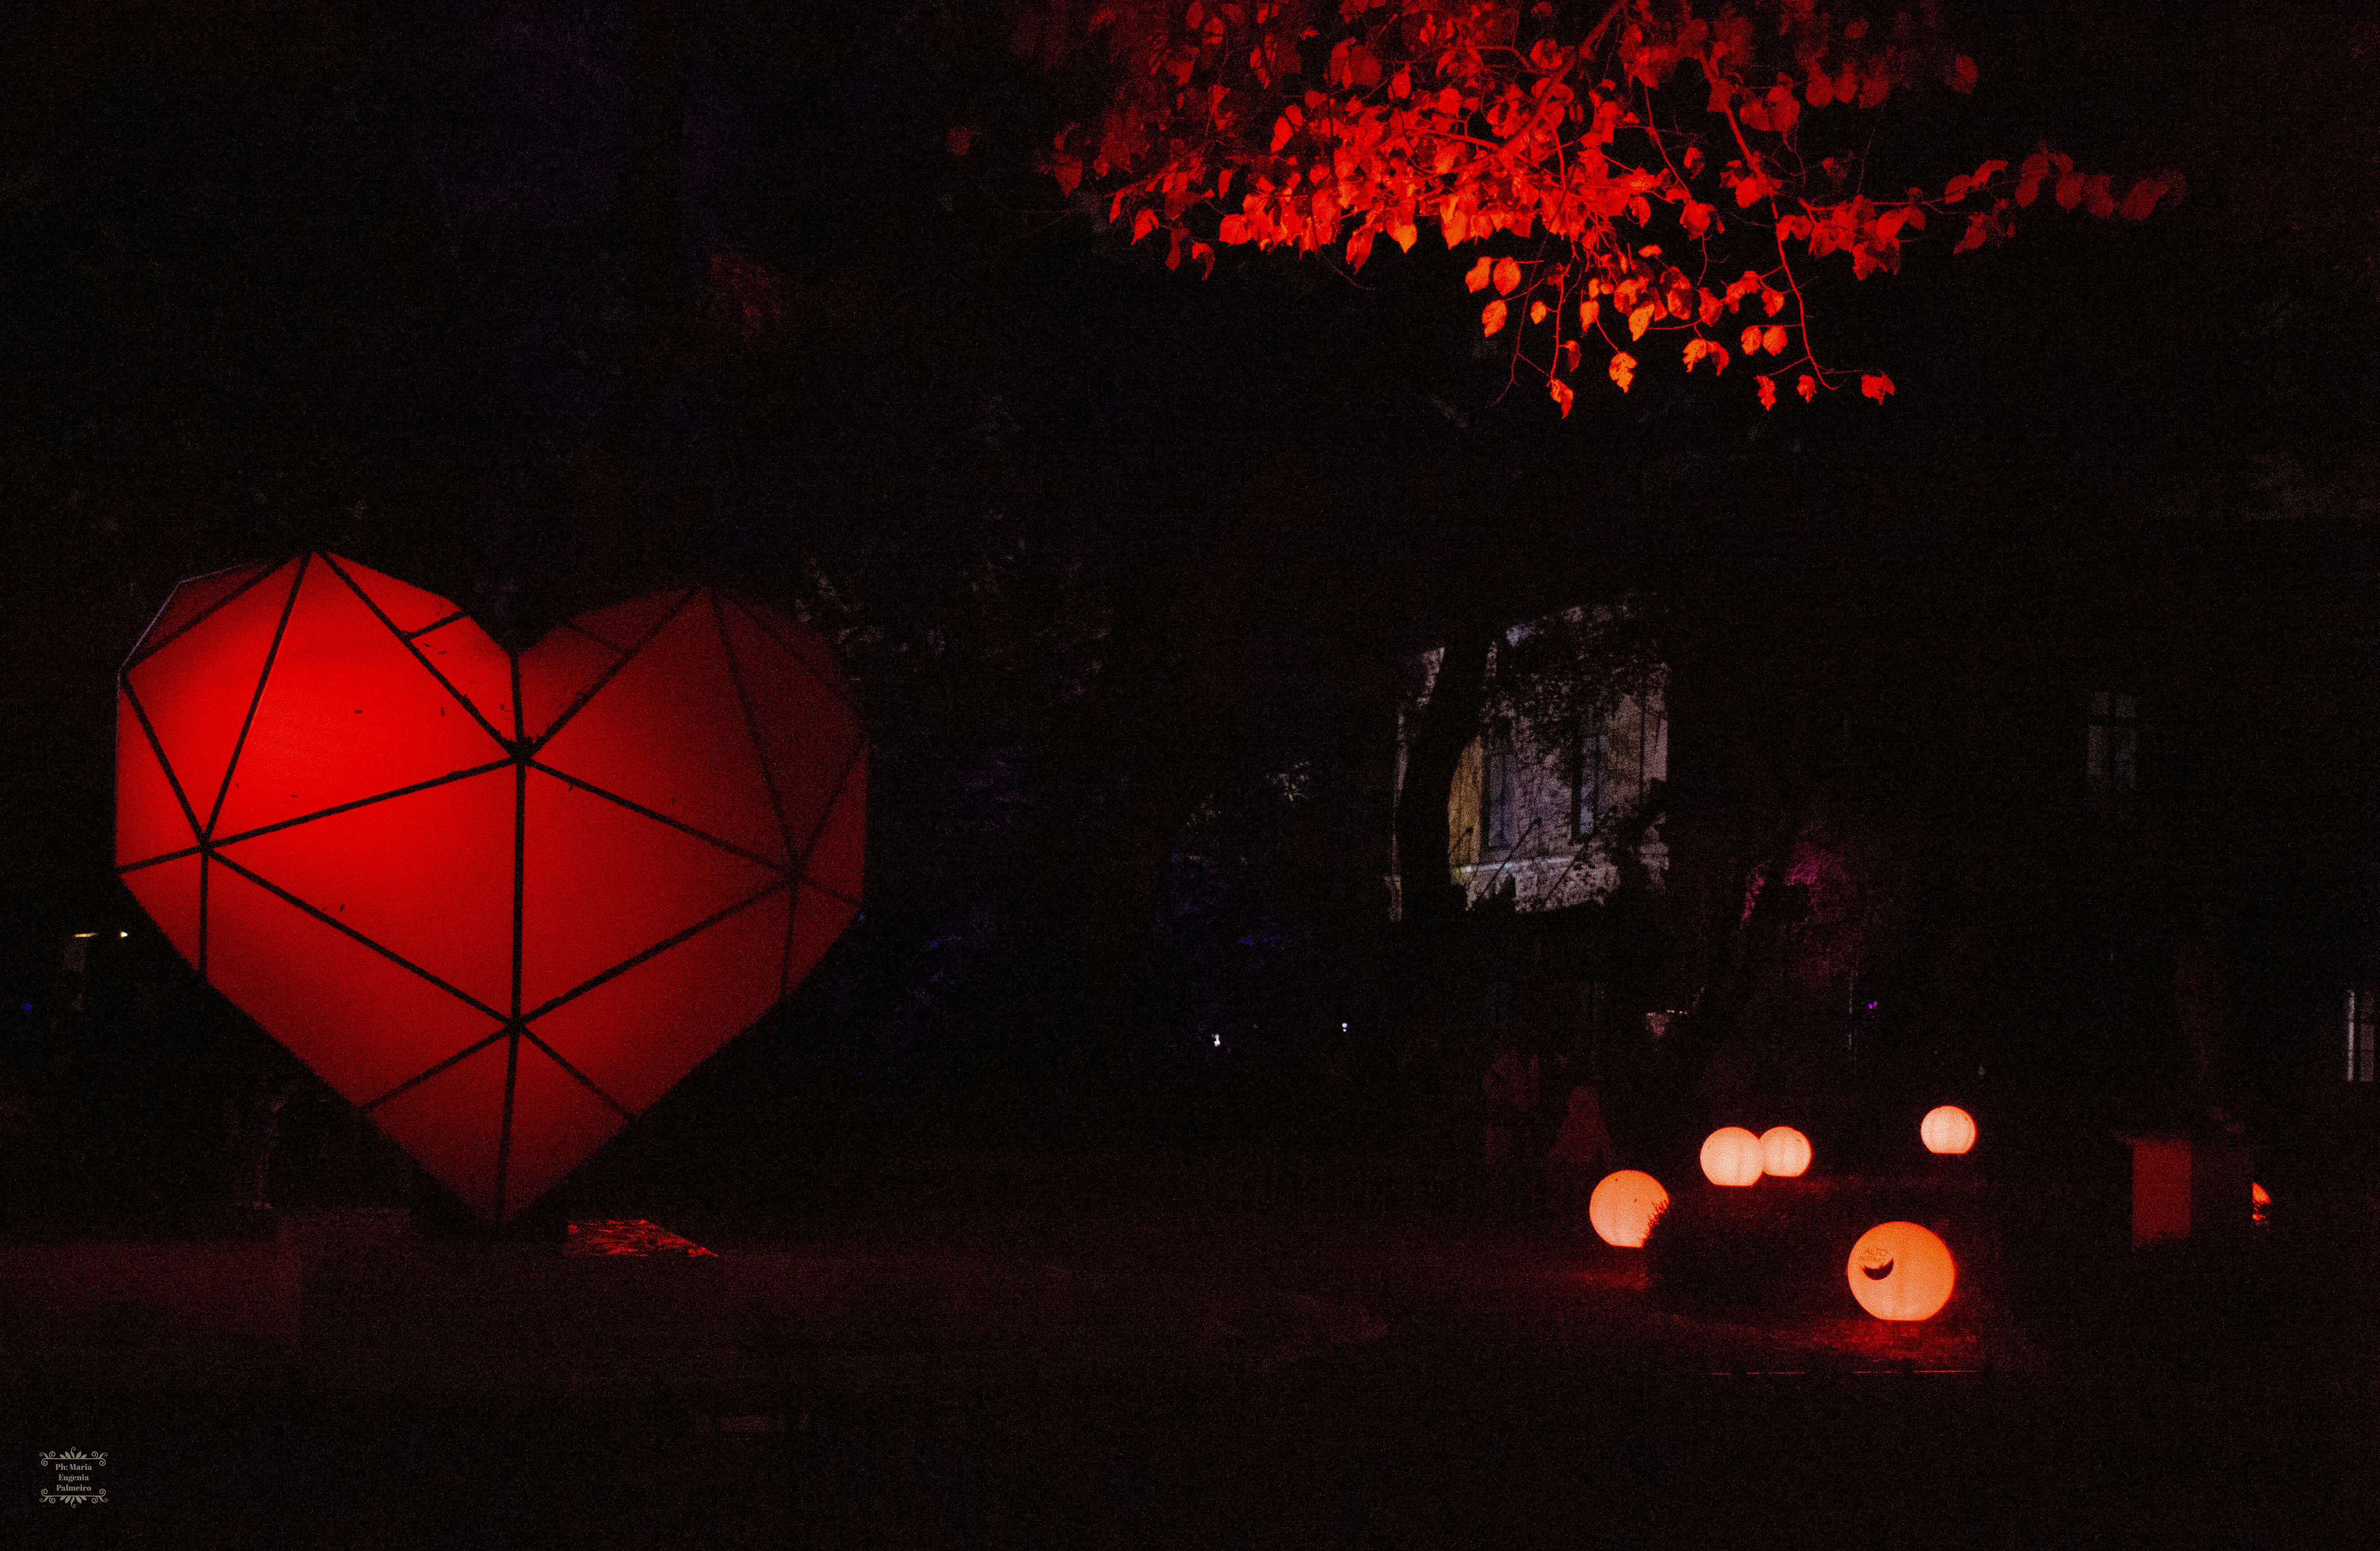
(830, 894)
(340, 927)
(446, 779)
(572, 624)
(203, 872)
(662, 947)
(752, 727)
(401, 639)
(263, 677)
(841, 785)
(465, 1053)
(412, 635)
(589, 1083)
(639, 808)
(816, 677)
(611, 673)
(187, 851)
(142, 652)
(157, 747)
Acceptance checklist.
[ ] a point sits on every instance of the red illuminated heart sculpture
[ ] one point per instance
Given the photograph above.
(501, 901)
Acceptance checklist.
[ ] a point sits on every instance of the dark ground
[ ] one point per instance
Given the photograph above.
(1267, 1359)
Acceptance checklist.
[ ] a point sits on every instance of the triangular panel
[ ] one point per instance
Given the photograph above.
(191, 599)
(601, 884)
(834, 860)
(169, 892)
(197, 690)
(408, 608)
(347, 713)
(453, 1124)
(363, 1024)
(149, 820)
(668, 732)
(428, 876)
(819, 919)
(557, 1124)
(481, 670)
(807, 734)
(637, 1034)
(805, 645)
(622, 625)
(557, 672)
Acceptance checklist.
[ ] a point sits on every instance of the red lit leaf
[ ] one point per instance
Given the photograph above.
(1537, 312)
(1978, 228)
(1774, 339)
(1700, 349)
(1143, 223)
(1639, 319)
(1587, 313)
(2070, 191)
(960, 138)
(1507, 276)
(1807, 387)
(1750, 339)
(1234, 229)
(1874, 385)
(1491, 318)
(1963, 75)
(1768, 392)
(2141, 198)
(1622, 369)
(1562, 395)
(1477, 277)
(1772, 301)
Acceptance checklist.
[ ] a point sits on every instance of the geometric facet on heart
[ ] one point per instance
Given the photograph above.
(195, 690)
(314, 988)
(151, 820)
(636, 1034)
(669, 731)
(347, 711)
(556, 1123)
(452, 1123)
(446, 907)
(601, 883)
(809, 745)
(819, 919)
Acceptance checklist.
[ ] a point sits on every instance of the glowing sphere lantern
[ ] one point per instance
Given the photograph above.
(1624, 1207)
(1784, 1152)
(1732, 1157)
(1947, 1129)
(1899, 1270)
(500, 898)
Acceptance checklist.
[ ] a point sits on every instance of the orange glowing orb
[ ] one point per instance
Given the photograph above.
(1947, 1129)
(1732, 1157)
(1899, 1270)
(1624, 1207)
(1784, 1152)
